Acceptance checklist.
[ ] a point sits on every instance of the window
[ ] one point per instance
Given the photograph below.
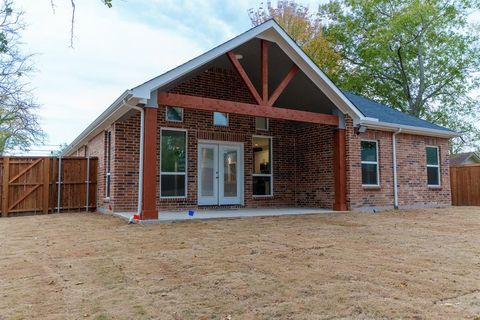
(173, 163)
(174, 114)
(370, 163)
(433, 166)
(262, 161)
(108, 164)
(261, 123)
(220, 119)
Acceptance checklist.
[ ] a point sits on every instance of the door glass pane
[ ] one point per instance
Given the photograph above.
(230, 173)
(207, 172)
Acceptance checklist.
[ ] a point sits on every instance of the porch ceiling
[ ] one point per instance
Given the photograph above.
(300, 94)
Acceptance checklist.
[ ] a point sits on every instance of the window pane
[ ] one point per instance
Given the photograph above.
(432, 156)
(262, 186)
(261, 123)
(107, 186)
(173, 185)
(220, 119)
(173, 151)
(432, 176)
(261, 155)
(174, 114)
(369, 151)
(369, 174)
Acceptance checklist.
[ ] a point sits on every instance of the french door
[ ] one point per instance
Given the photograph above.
(220, 174)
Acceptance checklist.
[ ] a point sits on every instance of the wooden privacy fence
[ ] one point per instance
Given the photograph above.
(465, 185)
(46, 184)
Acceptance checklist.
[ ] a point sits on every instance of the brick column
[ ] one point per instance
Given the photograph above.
(149, 201)
(340, 170)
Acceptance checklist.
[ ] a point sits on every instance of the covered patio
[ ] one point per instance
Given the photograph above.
(209, 214)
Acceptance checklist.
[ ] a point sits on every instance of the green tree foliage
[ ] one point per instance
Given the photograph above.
(421, 57)
(19, 126)
(304, 27)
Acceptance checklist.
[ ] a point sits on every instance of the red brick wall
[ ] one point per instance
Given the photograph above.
(241, 129)
(96, 148)
(411, 171)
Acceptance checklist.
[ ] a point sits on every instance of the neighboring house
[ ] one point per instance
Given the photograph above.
(255, 123)
(464, 158)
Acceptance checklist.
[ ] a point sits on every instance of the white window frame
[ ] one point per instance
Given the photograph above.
(262, 129)
(221, 125)
(174, 173)
(108, 166)
(434, 166)
(377, 163)
(166, 114)
(264, 174)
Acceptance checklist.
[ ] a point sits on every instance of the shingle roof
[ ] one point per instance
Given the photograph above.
(384, 113)
(460, 158)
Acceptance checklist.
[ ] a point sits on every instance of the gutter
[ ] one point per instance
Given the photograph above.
(394, 157)
(140, 161)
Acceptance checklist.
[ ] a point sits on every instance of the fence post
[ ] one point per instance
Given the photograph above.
(46, 184)
(59, 193)
(88, 184)
(6, 178)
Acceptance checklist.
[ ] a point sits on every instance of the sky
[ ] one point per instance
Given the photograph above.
(114, 50)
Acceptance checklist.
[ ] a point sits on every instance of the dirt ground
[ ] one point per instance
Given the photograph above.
(422, 264)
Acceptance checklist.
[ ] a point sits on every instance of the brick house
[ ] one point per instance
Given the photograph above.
(255, 123)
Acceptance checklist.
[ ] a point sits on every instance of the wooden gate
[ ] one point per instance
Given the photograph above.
(33, 185)
(465, 184)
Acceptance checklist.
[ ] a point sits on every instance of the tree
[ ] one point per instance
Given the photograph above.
(304, 27)
(19, 126)
(421, 57)
(73, 3)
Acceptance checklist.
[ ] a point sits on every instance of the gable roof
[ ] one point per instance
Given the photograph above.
(460, 158)
(388, 114)
(146, 93)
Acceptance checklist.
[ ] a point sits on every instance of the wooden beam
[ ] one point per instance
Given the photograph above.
(208, 104)
(281, 87)
(6, 178)
(340, 174)
(149, 203)
(245, 77)
(264, 64)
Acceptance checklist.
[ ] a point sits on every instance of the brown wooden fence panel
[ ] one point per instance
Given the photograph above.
(30, 184)
(465, 185)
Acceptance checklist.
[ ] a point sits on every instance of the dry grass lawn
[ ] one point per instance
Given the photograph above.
(422, 264)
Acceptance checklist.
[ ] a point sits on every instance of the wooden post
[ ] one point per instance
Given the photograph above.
(6, 178)
(46, 184)
(264, 67)
(340, 170)
(149, 202)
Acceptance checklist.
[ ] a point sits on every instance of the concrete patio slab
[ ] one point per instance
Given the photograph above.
(206, 214)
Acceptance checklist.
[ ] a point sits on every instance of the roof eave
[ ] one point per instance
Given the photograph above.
(101, 120)
(387, 126)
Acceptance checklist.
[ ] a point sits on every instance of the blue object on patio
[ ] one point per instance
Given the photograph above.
(190, 213)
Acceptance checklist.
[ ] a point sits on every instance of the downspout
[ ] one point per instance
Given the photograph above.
(140, 164)
(394, 150)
